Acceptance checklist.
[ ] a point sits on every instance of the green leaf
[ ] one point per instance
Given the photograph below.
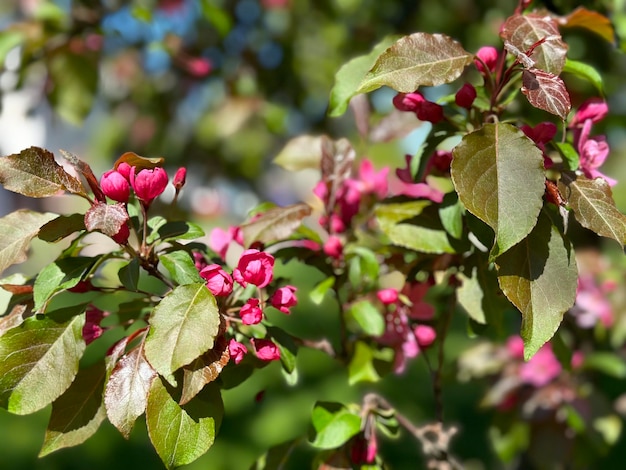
(498, 173)
(420, 59)
(301, 153)
(593, 205)
(423, 239)
(129, 275)
(181, 267)
(539, 277)
(275, 224)
(180, 230)
(204, 370)
(388, 215)
(451, 215)
(126, 394)
(318, 293)
(361, 368)
(9, 39)
(61, 227)
(38, 362)
(74, 82)
(368, 317)
(349, 77)
(607, 363)
(334, 425)
(78, 413)
(364, 266)
(35, 173)
(586, 72)
(569, 154)
(17, 229)
(182, 434)
(183, 326)
(63, 274)
(479, 294)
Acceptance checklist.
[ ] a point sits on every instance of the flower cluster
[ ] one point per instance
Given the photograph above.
(254, 268)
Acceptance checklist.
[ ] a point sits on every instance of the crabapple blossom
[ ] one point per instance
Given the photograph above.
(540, 369)
(254, 267)
(593, 152)
(115, 186)
(237, 350)
(333, 247)
(92, 329)
(594, 110)
(465, 96)
(250, 312)
(488, 56)
(284, 298)
(265, 349)
(219, 239)
(218, 281)
(149, 183)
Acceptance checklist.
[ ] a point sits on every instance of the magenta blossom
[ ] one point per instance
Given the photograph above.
(387, 296)
(265, 349)
(592, 305)
(372, 181)
(333, 247)
(364, 450)
(594, 110)
(425, 335)
(284, 298)
(220, 239)
(237, 350)
(254, 267)
(593, 152)
(125, 170)
(92, 328)
(408, 102)
(541, 134)
(180, 178)
(250, 312)
(149, 184)
(465, 96)
(218, 281)
(115, 186)
(541, 369)
(488, 56)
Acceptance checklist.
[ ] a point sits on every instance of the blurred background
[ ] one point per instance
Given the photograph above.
(220, 87)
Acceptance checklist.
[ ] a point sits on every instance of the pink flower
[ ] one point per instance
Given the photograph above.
(125, 170)
(405, 174)
(425, 335)
(284, 298)
(265, 349)
(417, 190)
(115, 186)
(487, 55)
(408, 101)
(465, 96)
(593, 152)
(541, 369)
(387, 296)
(219, 239)
(92, 328)
(541, 134)
(251, 313)
(180, 178)
(254, 267)
(197, 66)
(218, 281)
(430, 112)
(333, 247)
(515, 347)
(594, 109)
(592, 305)
(373, 182)
(149, 184)
(237, 350)
(419, 309)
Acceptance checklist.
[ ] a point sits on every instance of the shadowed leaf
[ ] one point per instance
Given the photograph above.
(420, 59)
(275, 224)
(61, 227)
(204, 370)
(139, 162)
(546, 91)
(300, 153)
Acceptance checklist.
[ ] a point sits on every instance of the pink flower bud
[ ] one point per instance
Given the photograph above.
(218, 281)
(148, 184)
(430, 112)
(363, 451)
(265, 349)
(333, 247)
(180, 178)
(121, 237)
(387, 296)
(594, 109)
(198, 66)
(425, 335)
(408, 101)
(251, 313)
(515, 347)
(254, 267)
(465, 96)
(125, 170)
(92, 328)
(115, 186)
(284, 298)
(488, 55)
(237, 350)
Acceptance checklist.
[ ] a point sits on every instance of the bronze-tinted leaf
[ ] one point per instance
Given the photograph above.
(106, 218)
(524, 31)
(204, 370)
(35, 173)
(546, 91)
(593, 205)
(420, 59)
(591, 21)
(84, 169)
(139, 162)
(300, 153)
(275, 224)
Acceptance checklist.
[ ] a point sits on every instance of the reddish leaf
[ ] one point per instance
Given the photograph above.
(84, 169)
(592, 21)
(106, 218)
(138, 161)
(546, 91)
(12, 319)
(35, 173)
(126, 394)
(204, 370)
(275, 224)
(523, 31)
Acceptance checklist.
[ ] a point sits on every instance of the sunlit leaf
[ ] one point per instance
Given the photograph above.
(524, 31)
(38, 362)
(35, 173)
(183, 326)
(301, 153)
(275, 224)
(498, 173)
(12, 319)
(126, 394)
(204, 370)
(368, 317)
(64, 273)
(333, 424)
(586, 72)
(546, 91)
(361, 368)
(593, 205)
(84, 169)
(591, 21)
(349, 77)
(420, 59)
(17, 229)
(106, 218)
(539, 276)
(182, 434)
(78, 413)
(181, 267)
(139, 162)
